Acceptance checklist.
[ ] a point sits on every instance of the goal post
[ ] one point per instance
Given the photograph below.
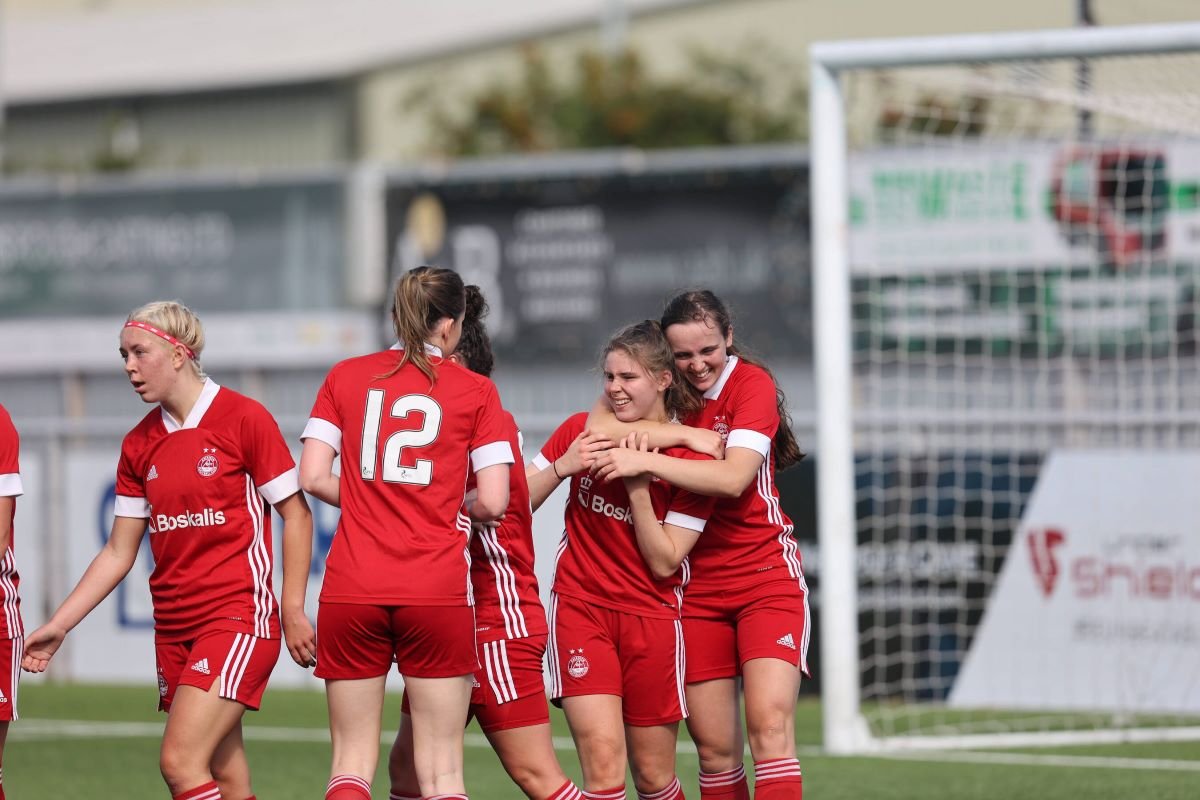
(1032, 320)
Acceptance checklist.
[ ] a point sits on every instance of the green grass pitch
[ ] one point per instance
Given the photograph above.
(113, 753)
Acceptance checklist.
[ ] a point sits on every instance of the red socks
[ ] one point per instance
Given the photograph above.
(347, 787)
(778, 779)
(728, 785)
(568, 791)
(672, 791)
(208, 791)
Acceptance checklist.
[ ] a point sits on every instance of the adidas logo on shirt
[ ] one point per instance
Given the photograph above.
(153, 473)
(3, 699)
(201, 666)
(787, 641)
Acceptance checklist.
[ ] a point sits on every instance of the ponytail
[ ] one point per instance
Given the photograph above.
(423, 297)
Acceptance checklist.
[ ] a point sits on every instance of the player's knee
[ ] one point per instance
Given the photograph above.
(178, 768)
(772, 737)
(536, 779)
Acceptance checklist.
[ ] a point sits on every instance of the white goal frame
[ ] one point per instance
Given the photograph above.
(845, 729)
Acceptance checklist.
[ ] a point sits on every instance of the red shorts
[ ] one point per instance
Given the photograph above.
(243, 662)
(360, 641)
(601, 651)
(724, 630)
(11, 651)
(510, 691)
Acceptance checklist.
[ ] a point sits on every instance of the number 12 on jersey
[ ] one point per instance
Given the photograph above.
(420, 473)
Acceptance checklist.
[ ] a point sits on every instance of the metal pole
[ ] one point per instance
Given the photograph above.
(1083, 68)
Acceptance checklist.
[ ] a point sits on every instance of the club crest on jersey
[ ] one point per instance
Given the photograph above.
(585, 490)
(577, 664)
(722, 427)
(207, 465)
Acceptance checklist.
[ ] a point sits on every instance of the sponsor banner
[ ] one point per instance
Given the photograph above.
(1097, 606)
(1032, 248)
(563, 263)
(115, 642)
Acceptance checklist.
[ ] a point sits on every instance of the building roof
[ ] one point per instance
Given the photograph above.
(175, 48)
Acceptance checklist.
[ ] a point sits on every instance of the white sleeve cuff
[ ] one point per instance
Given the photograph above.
(323, 431)
(540, 461)
(135, 507)
(751, 440)
(281, 487)
(491, 454)
(684, 521)
(10, 485)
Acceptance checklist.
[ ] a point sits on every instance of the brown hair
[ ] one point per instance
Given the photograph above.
(646, 344)
(475, 346)
(423, 297)
(701, 305)
(173, 317)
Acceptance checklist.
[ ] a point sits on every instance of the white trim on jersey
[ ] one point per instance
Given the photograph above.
(135, 507)
(323, 431)
(685, 521)
(751, 440)
(12, 611)
(489, 455)
(10, 485)
(463, 523)
(506, 583)
(208, 393)
(714, 391)
(260, 563)
(499, 674)
(540, 461)
(281, 487)
(236, 662)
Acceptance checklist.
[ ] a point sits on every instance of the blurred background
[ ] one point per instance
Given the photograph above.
(275, 164)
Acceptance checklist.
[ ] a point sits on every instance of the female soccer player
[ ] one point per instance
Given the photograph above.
(509, 698)
(616, 647)
(196, 472)
(407, 424)
(747, 603)
(11, 631)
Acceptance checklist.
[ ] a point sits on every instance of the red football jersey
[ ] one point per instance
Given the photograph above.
(402, 538)
(598, 556)
(749, 538)
(10, 486)
(507, 604)
(203, 487)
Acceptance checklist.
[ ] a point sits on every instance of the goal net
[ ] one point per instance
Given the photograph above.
(1007, 240)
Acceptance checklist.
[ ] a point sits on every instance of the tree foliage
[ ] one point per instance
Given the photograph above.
(605, 101)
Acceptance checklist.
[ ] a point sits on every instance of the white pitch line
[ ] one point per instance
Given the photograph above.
(1031, 759)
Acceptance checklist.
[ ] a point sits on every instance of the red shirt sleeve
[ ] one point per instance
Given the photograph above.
(753, 411)
(131, 488)
(560, 441)
(689, 504)
(267, 458)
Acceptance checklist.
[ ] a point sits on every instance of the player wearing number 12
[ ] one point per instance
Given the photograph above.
(397, 583)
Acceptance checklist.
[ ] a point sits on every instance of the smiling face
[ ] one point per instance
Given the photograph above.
(700, 351)
(151, 364)
(632, 391)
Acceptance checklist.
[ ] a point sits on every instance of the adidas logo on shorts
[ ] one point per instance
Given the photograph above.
(201, 666)
(787, 641)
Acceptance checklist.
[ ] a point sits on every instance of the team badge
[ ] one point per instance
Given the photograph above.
(207, 465)
(162, 685)
(721, 427)
(578, 665)
(585, 488)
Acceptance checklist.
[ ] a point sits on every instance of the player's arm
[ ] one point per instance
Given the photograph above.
(544, 476)
(602, 421)
(316, 471)
(491, 493)
(107, 569)
(728, 477)
(664, 546)
(298, 631)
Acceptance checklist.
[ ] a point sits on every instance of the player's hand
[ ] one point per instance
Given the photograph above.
(621, 462)
(641, 444)
(708, 442)
(40, 647)
(300, 637)
(582, 453)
